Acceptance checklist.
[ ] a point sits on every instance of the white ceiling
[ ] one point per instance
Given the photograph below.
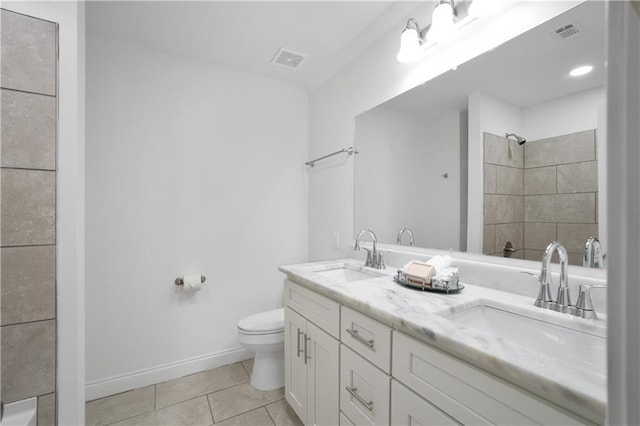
(247, 34)
(526, 71)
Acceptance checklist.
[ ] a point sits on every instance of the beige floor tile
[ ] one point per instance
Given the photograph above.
(258, 417)
(282, 414)
(117, 407)
(193, 412)
(239, 399)
(189, 387)
(248, 366)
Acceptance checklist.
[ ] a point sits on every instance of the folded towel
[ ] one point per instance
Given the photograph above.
(419, 271)
(446, 278)
(440, 262)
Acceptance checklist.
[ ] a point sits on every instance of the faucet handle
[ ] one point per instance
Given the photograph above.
(381, 264)
(584, 305)
(544, 299)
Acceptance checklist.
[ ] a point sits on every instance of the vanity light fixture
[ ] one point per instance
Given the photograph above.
(581, 70)
(414, 39)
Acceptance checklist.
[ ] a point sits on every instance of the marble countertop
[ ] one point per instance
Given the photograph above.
(573, 385)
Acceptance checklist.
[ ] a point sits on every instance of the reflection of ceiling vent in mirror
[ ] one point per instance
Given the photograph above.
(568, 31)
(288, 59)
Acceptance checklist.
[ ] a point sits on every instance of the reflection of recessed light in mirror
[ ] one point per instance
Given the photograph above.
(577, 72)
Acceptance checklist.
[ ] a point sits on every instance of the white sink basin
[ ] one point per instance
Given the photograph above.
(345, 274)
(554, 336)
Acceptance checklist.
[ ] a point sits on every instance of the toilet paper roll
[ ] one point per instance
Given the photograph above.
(192, 282)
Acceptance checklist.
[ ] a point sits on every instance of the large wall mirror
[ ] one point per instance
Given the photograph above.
(437, 159)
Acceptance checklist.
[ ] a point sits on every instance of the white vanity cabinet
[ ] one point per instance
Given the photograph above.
(311, 355)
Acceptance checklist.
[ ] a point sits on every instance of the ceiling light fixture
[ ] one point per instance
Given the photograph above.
(580, 71)
(414, 39)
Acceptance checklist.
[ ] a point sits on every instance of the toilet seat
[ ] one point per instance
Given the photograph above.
(270, 322)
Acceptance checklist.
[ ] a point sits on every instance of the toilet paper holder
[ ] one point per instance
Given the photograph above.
(180, 280)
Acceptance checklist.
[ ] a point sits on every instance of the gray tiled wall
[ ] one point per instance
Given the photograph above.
(557, 198)
(28, 183)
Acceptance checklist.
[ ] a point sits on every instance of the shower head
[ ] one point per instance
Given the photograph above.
(519, 139)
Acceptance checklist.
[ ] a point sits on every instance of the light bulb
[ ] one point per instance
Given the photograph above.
(580, 71)
(410, 49)
(441, 23)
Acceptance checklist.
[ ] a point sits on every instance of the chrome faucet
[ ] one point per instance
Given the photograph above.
(401, 233)
(593, 257)
(563, 301)
(374, 259)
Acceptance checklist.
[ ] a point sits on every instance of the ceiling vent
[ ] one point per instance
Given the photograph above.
(568, 31)
(286, 58)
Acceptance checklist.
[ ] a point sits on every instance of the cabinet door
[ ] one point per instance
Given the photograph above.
(407, 408)
(295, 373)
(322, 353)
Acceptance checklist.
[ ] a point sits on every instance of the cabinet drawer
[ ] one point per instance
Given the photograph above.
(407, 408)
(320, 310)
(344, 420)
(466, 393)
(364, 390)
(368, 337)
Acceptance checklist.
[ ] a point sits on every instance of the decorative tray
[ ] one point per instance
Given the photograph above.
(436, 285)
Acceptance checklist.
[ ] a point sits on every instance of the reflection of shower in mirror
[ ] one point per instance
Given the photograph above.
(519, 139)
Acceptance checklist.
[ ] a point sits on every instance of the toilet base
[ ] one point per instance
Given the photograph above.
(268, 370)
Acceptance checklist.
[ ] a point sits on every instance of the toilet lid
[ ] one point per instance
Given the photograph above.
(263, 322)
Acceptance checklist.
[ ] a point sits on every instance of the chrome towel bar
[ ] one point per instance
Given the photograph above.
(180, 280)
(351, 150)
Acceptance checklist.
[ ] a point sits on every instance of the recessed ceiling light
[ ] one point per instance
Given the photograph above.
(577, 72)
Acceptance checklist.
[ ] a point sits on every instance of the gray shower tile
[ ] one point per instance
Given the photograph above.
(537, 236)
(47, 410)
(513, 232)
(541, 180)
(257, 417)
(566, 208)
(198, 384)
(509, 180)
(578, 177)
(282, 414)
(575, 259)
(499, 150)
(572, 148)
(574, 235)
(503, 209)
(28, 207)
(28, 132)
(489, 239)
(107, 410)
(28, 360)
(490, 179)
(192, 412)
(230, 402)
(28, 56)
(28, 291)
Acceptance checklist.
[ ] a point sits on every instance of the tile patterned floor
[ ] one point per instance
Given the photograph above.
(220, 396)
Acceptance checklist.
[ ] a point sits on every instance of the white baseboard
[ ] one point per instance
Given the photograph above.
(150, 376)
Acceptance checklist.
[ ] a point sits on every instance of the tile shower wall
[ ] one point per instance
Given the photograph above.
(28, 184)
(542, 191)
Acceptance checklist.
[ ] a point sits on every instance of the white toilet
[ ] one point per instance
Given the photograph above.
(263, 334)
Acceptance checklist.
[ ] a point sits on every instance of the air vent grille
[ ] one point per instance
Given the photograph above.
(288, 58)
(568, 31)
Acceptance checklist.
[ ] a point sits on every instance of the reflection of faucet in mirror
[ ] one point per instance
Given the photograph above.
(593, 257)
(401, 233)
(374, 259)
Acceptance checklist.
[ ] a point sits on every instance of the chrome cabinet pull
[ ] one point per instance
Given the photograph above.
(359, 338)
(300, 333)
(306, 348)
(354, 393)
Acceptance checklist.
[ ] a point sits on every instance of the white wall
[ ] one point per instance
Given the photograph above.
(191, 168)
(570, 114)
(70, 331)
(373, 78)
(399, 178)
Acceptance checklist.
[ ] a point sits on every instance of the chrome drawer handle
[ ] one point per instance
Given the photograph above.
(354, 393)
(300, 333)
(359, 338)
(306, 342)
